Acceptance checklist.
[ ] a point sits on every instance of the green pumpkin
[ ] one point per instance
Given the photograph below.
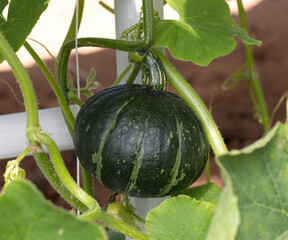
(139, 141)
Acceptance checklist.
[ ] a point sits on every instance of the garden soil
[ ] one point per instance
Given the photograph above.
(233, 110)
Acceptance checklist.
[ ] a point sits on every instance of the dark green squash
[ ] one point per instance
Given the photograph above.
(140, 141)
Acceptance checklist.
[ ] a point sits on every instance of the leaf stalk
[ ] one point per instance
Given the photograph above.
(253, 78)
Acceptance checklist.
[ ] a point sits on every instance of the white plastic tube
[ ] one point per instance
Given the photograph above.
(12, 131)
(127, 14)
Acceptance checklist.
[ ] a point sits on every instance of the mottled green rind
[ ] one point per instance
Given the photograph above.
(25, 214)
(180, 218)
(139, 141)
(257, 178)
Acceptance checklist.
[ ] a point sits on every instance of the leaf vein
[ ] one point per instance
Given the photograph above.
(256, 203)
(275, 185)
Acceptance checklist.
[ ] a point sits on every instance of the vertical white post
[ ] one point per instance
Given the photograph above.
(127, 14)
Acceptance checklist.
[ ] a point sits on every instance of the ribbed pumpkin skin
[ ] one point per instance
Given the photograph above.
(139, 141)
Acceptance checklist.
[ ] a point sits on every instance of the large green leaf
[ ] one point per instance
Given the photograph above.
(208, 192)
(259, 176)
(180, 217)
(25, 214)
(204, 31)
(22, 17)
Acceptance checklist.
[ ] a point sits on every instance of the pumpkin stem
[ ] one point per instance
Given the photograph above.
(153, 72)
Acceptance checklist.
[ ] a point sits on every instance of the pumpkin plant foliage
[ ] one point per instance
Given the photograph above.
(22, 17)
(208, 192)
(180, 217)
(35, 218)
(252, 206)
(255, 177)
(204, 31)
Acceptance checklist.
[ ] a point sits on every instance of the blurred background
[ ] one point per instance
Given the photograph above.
(233, 110)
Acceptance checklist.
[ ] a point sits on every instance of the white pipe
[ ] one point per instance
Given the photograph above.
(12, 131)
(127, 14)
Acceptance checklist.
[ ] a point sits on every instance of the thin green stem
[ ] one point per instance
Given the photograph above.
(50, 174)
(194, 101)
(61, 68)
(23, 80)
(2, 18)
(253, 78)
(62, 170)
(208, 168)
(22, 155)
(45, 48)
(140, 219)
(134, 73)
(276, 108)
(108, 8)
(68, 115)
(121, 76)
(252, 94)
(64, 175)
(121, 226)
(72, 29)
(128, 204)
(72, 97)
(148, 16)
(233, 80)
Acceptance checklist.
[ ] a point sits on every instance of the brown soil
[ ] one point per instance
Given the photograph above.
(232, 110)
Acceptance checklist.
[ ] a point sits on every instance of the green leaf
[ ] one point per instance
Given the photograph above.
(204, 31)
(226, 220)
(208, 192)
(180, 217)
(22, 17)
(3, 4)
(259, 175)
(25, 214)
